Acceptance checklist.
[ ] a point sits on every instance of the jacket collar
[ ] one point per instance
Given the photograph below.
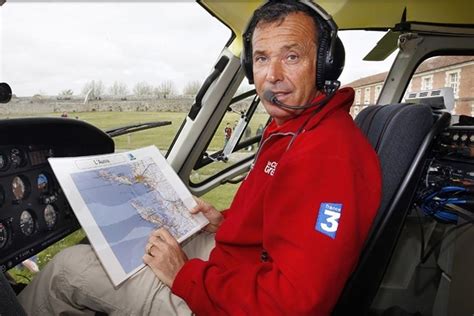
(343, 99)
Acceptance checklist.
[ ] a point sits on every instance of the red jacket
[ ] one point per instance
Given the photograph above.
(297, 224)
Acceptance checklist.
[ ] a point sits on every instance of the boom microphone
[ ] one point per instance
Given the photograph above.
(270, 96)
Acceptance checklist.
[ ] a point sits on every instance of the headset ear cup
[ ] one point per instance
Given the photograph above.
(334, 69)
(321, 60)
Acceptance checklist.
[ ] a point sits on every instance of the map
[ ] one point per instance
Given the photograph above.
(120, 199)
(128, 198)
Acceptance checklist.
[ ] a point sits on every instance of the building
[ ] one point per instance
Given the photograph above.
(456, 72)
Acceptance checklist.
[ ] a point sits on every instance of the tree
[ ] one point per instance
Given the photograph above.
(118, 89)
(165, 89)
(65, 95)
(67, 92)
(142, 89)
(93, 89)
(192, 88)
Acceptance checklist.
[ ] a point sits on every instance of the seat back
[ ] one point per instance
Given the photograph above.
(8, 302)
(401, 135)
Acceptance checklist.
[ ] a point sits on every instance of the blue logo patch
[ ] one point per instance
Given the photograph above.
(328, 219)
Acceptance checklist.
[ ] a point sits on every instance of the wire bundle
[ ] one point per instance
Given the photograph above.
(448, 203)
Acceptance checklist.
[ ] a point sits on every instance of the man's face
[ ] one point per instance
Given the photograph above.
(284, 62)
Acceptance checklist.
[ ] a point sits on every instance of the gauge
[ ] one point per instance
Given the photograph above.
(17, 157)
(464, 137)
(19, 187)
(50, 216)
(27, 223)
(2, 196)
(3, 161)
(42, 183)
(471, 138)
(3, 235)
(455, 137)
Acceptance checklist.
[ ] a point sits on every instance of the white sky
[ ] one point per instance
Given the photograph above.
(49, 47)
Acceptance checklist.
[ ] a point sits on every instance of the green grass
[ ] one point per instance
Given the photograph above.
(23, 275)
(162, 137)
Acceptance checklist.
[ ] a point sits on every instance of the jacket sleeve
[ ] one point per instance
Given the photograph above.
(316, 218)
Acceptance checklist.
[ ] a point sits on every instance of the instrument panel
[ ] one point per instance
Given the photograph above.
(457, 143)
(34, 212)
(31, 202)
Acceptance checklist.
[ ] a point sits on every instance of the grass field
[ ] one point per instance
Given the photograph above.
(162, 137)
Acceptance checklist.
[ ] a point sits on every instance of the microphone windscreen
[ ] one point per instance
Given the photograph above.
(268, 95)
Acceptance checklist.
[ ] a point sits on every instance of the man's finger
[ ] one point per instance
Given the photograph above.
(165, 234)
(157, 243)
(195, 209)
(147, 259)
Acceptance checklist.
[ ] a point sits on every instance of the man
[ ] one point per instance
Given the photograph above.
(227, 133)
(296, 226)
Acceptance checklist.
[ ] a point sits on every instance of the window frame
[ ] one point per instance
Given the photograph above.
(448, 83)
(367, 95)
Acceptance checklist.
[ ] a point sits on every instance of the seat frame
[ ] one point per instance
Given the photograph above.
(362, 286)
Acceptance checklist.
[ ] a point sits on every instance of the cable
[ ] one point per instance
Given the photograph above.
(444, 204)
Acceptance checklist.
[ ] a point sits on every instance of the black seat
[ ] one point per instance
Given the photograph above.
(401, 134)
(8, 303)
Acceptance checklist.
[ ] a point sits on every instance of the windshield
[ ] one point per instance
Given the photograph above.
(109, 63)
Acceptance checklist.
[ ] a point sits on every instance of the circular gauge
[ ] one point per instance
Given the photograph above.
(471, 138)
(464, 137)
(50, 216)
(27, 223)
(3, 161)
(455, 137)
(19, 187)
(3, 235)
(2, 196)
(17, 157)
(42, 183)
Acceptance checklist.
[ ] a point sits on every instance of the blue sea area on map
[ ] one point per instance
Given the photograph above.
(109, 203)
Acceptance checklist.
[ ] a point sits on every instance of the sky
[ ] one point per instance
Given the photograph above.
(48, 47)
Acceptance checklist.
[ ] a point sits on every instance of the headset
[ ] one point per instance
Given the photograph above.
(330, 52)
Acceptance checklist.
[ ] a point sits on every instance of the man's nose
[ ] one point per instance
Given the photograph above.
(275, 71)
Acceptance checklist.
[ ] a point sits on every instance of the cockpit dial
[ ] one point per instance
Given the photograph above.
(50, 216)
(17, 158)
(3, 235)
(27, 223)
(19, 187)
(42, 183)
(3, 161)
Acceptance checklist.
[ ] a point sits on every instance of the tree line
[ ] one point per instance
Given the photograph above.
(96, 89)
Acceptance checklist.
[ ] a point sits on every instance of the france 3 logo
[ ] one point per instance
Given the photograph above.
(328, 219)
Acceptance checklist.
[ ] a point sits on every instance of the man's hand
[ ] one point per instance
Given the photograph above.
(164, 256)
(214, 217)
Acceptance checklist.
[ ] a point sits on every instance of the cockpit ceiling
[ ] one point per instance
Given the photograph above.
(360, 14)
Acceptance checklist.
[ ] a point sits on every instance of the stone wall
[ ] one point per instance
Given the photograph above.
(37, 105)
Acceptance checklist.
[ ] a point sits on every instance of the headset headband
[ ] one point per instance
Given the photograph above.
(330, 50)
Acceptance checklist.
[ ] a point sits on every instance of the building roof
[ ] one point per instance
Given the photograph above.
(380, 77)
(427, 65)
(441, 62)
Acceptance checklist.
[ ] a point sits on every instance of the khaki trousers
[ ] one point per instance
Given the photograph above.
(74, 283)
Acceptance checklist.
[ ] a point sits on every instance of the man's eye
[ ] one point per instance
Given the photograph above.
(292, 57)
(260, 59)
